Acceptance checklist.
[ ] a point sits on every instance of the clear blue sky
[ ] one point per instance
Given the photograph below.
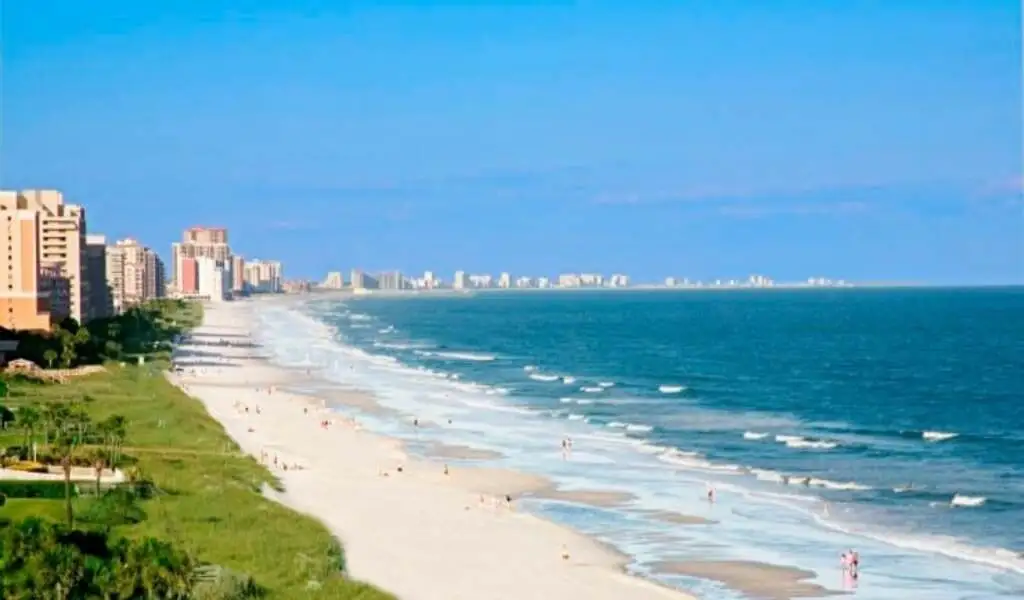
(872, 140)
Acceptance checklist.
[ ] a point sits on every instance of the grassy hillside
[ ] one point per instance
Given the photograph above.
(207, 499)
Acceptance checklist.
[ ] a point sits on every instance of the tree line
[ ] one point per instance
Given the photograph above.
(139, 330)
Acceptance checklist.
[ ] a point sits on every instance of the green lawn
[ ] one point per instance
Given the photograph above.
(209, 501)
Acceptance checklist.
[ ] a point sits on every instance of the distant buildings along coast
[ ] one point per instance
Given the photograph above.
(205, 268)
(362, 282)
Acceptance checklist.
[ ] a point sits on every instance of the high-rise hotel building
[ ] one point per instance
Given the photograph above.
(135, 274)
(44, 267)
(198, 242)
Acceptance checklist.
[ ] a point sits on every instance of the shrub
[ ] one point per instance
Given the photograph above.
(41, 557)
(218, 583)
(19, 452)
(52, 490)
(118, 506)
(28, 466)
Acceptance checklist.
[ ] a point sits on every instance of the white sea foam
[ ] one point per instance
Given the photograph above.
(576, 417)
(542, 377)
(967, 501)
(617, 425)
(399, 345)
(671, 389)
(811, 444)
(359, 317)
(471, 356)
(388, 329)
(938, 436)
(568, 380)
(529, 368)
(837, 485)
(796, 441)
(606, 384)
(591, 389)
(767, 475)
(566, 400)
(638, 428)
(754, 435)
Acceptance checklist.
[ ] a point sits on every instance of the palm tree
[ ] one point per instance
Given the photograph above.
(29, 418)
(70, 422)
(99, 458)
(49, 356)
(113, 429)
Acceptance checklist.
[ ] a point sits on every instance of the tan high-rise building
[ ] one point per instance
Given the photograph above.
(60, 248)
(237, 274)
(205, 235)
(263, 276)
(25, 284)
(135, 274)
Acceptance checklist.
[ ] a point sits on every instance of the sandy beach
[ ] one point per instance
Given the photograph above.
(406, 525)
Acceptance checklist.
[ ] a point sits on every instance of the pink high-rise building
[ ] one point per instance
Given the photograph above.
(188, 270)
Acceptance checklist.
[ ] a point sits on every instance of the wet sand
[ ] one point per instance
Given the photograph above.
(760, 580)
(460, 452)
(598, 498)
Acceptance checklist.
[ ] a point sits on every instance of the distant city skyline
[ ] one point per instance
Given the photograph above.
(395, 280)
(869, 142)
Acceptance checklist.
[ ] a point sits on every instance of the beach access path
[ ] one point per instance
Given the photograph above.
(420, 534)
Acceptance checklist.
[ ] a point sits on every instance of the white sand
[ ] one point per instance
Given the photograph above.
(419, 534)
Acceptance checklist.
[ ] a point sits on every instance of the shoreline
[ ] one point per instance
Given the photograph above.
(418, 533)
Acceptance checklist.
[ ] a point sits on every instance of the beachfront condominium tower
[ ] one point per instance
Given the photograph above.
(237, 274)
(459, 282)
(263, 276)
(135, 274)
(100, 301)
(214, 278)
(60, 246)
(197, 242)
(333, 281)
(26, 284)
(392, 280)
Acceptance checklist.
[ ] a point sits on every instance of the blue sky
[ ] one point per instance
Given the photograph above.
(871, 140)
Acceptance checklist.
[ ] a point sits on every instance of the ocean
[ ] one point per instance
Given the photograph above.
(886, 420)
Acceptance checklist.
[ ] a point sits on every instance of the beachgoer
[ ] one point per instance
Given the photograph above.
(711, 493)
(415, 422)
(854, 561)
(446, 469)
(565, 552)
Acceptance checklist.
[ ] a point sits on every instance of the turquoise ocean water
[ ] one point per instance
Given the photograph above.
(890, 421)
